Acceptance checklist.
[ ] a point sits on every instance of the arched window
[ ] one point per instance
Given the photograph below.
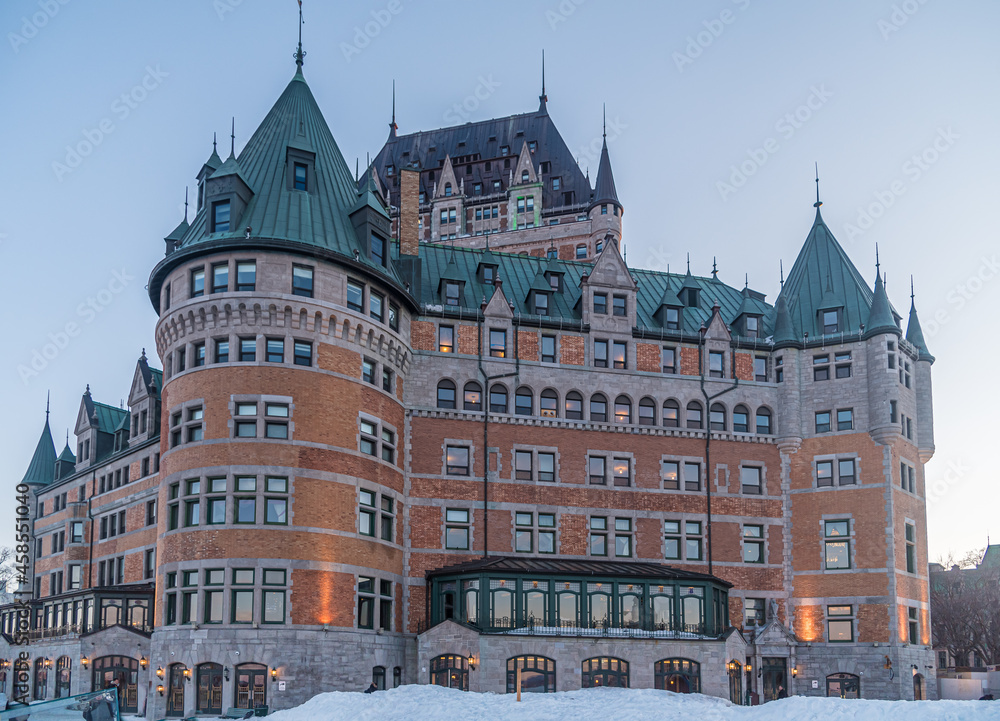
(680, 675)
(599, 408)
(844, 685)
(647, 412)
(473, 396)
(451, 671)
(604, 671)
(717, 417)
(63, 675)
(209, 689)
(574, 406)
(694, 419)
(623, 410)
(498, 399)
(764, 421)
(41, 678)
(538, 674)
(446, 394)
(548, 404)
(671, 413)
(741, 419)
(447, 190)
(378, 677)
(523, 402)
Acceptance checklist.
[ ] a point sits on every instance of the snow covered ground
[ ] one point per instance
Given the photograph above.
(427, 703)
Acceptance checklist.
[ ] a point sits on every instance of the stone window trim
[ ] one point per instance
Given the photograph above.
(911, 523)
(682, 461)
(763, 477)
(851, 537)
(535, 466)
(380, 426)
(852, 616)
(908, 484)
(609, 462)
(261, 494)
(262, 401)
(228, 567)
(535, 529)
(835, 459)
(461, 443)
(471, 525)
(682, 536)
(185, 422)
(379, 492)
(764, 540)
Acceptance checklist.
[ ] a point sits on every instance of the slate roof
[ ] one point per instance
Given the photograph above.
(518, 273)
(588, 567)
(604, 187)
(42, 468)
(474, 139)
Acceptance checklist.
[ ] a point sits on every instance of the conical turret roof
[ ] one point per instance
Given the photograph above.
(915, 334)
(880, 318)
(67, 454)
(784, 332)
(604, 188)
(41, 469)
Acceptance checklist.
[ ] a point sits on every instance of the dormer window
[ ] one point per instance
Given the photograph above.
(452, 293)
(751, 326)
(447, 190)
(672, 316)
(220, 216)
(497, 186)
(487, 274)
(555, 281)
(301, 180)
(524, 176)
(477, 189)
(541, 304)
(532, 145)
(378, 249)
(831, 321)
(504, 150)
(556, 183)
(689, 296)
(390, 170)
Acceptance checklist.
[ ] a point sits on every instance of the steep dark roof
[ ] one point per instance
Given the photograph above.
(483, 140)
(42, 469)
(604, 188)
(588, 567)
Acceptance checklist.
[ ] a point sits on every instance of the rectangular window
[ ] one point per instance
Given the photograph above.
(597, 470)
(524, 532)
(837, 547)
(619, 354)
(215, 511)
(623, 537)
(716, 364)
(498, 343)
(823, 422)
(671, 475)
(760, 368)
(750, 480)
(246, 510)
(692, 476)
(248, 349)
(672, 540)
(302, 281)
(600, 354)
(222, 351)
(845, 419)
(355, 296)
(522, 465)
(840, 623)
(452, 293)
(598, 536)
(669, 359)
(457, 461)
(821, 367)
(619, 306)
(376, 306)
(753, 612)
(673, 319)
(913, 627)
(753, 543)
(547, 467)
(831, 322)
(301, 176)
(387, 520)
(220, 277)
(600, 302)
(446, 339)
(275, 350)
(220, 216)
(457, 529)
(192, 513)
(843, 367)
(366, 513)
(692, 540)
(846, 472)
(621, 469)
(548, 349)
(911, 549)
(246, 275)
(824, 473)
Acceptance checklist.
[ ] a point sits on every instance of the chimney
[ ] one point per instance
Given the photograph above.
(409, 211)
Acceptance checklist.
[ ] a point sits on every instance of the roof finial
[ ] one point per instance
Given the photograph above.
(392, 125)
(300, 54)
(185, 210)
(215, 149)
(911, 288)
(876, 259)
(746, 281)
(715, 267)
(604, 122)
(357, 169)
(689, 262)
(781, 269)
(543, 98)
(47, 396)
(818, 201)
(232, 140)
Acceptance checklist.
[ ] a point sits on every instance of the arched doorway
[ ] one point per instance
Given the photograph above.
(918, 687)
(538, 674)
(120, 671)
(735, 669)
(844, 685)
(209, 689)
(680, 675)
(251, 686)
(41, 678)
(175, 690)
(451, 671)
(63, 675)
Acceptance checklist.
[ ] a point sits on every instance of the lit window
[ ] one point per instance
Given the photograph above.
(457, 461)
(456, 529)
(498, 343)
(837, 547)
(753, 544)
(840, 623)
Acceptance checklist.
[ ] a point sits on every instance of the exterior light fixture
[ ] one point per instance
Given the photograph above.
(84, 661)
(187, 674)
(48, 663)
(159, 672)
(225, 672)
(472, 663)
(795, 672)
(159, 689)
(274, 673)
(143, 662)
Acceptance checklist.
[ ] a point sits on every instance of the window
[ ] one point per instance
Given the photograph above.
(378, 253)
(603, 670)
(523, 402)
(904, 372)
(763, 421)
(220, 277)
(538, 674)
(598, 408)
(913, 626)
(222, 351)
(384, 622)
(692, 540)
(837, 546)
(670, 472)
(548, 349)
(456, 535)
(446, 339)
(522, 465)
(716, 364)
(498, 343)
(621, 469)
(598, 536)
(623, 410)
(498, 399)
(907, 477)
(672, 319)
(376, 306)
(741, 419)
(840, 623)
(597, 470)
(574, 406)
(753, 612)
(248, 350)
(368, 370)
(669, 359)
(301, 176)
(694, 415)
(753, 543)
(275, 350)
(546, 467)
(671, 413)
(220, 216)
(600, 354)
(302, 353)
(843, 364)
(619, 306)
(387, 520)
(824, 473)
(647, 412)
(911, 550)
(823, 422)
(845, 419)
(541, 303)
(199, 355)
(366, 602)
(692, 476)
(446, 394)
(302, 281)
(831, 321)
(457, 461)
(821, 367)
(717, 417)
(600, 303)
(197, 282)
(355, 296)
(473, 397)
(751, 481)
(246, 275)
(846, 472)
(760, 368)
(623, 537)
(581, 254)
(619, 354)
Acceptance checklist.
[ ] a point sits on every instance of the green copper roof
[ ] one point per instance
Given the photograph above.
(230, 167)
(67, 454)
(178, 232)
(823, 277)
(109, 418)
(880, 318)
(915, 334)
(784, 333)
(42, 468)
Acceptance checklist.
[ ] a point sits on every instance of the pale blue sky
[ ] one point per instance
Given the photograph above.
(692, 90)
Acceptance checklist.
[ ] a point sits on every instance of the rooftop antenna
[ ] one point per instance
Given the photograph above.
(300, 54)
(818, 201)
(232, 139)
(185, 220)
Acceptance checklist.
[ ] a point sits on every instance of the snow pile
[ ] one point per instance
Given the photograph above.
(433, 703)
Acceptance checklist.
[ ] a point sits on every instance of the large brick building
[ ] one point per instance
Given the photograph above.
(375, 456)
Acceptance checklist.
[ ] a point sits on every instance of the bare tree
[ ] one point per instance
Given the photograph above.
(965, 608)
(7, 572)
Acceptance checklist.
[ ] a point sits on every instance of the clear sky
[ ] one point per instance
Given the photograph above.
(716, 113)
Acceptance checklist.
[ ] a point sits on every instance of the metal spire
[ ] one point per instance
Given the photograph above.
(876, 259)
(604, 123)
(715, 267)
(543, 98)
(300, 54)
(781, 269)
(818, 201)
(47, 396)
(911, 288)
(185, 220)
(689, 262)
(392, 125)
(215, 149)
(232, 139)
